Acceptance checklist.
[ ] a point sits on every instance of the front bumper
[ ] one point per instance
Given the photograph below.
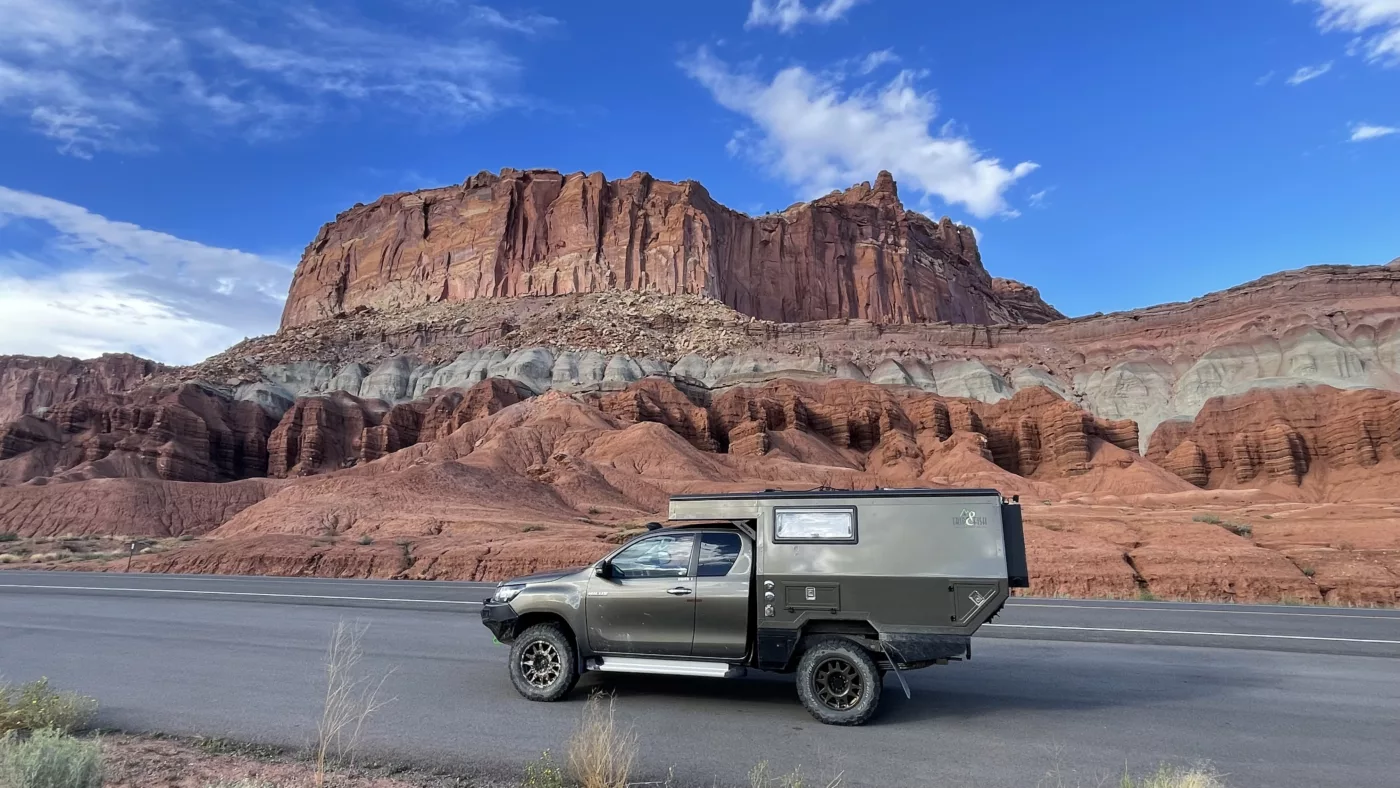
(500, 618)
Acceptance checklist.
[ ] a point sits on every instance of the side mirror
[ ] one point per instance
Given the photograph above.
(604, 568)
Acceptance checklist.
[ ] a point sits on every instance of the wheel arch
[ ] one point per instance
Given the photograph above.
(530, 619)
(780, 650)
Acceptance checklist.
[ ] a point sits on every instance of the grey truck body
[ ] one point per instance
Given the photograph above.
(743, 580)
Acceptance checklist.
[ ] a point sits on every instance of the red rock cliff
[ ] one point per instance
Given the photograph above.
(851, 254)
(28, 383)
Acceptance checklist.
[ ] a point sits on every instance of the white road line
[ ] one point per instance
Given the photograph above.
(241, 593)
(1184, 632)
(1192, 610)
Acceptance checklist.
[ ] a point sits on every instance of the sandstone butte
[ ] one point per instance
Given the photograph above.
(851, 254)
(509, 374)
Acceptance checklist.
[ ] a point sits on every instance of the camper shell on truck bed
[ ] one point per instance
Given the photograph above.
(839, 586)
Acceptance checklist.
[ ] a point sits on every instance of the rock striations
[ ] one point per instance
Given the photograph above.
(851, 254)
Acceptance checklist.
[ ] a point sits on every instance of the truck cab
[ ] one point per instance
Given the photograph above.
(837, 586)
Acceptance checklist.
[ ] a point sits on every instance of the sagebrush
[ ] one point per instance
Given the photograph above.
(50, 759)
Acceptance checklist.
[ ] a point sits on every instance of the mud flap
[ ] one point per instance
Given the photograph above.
(890, 650)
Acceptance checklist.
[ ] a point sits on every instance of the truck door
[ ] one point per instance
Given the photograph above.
(647, 606)
(722, 596)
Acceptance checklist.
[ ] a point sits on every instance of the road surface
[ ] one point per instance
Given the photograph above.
(1272, 696)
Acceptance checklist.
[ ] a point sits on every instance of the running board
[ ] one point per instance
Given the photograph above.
(666, 667)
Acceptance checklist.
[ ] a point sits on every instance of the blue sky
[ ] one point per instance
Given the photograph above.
(163, 163)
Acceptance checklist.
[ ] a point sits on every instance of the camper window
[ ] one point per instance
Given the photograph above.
(814, 525)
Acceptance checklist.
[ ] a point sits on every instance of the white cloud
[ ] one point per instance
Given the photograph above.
(1366, 131)
(818, 136)
(874, 60)
(95, 285)
(1307, 73)
(528, 24)
(1375, 23)
(1264, 80)
(786, 15)
(1037, 200)
(102, 74)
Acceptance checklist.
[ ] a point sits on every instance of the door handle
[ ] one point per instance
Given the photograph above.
(679, 591)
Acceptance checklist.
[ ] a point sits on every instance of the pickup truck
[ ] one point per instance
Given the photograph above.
(839, 587)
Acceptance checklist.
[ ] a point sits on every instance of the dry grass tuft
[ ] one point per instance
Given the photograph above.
(1176, 777)
(352, 697)
(601, 753)
(761, 776)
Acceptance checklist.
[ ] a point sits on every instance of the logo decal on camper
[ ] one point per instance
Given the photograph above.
(968, 518)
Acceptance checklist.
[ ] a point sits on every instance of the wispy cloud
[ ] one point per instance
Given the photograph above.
(1362, 132)
(813, 132)
(874, 60)
(103, 74)
(1374, 23)
(1309, 73)
(1264, 80)
(787, 15)
(1037, 200)
(76, 283)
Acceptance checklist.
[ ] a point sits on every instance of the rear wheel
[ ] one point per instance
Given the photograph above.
(543, 664)
(838, 682)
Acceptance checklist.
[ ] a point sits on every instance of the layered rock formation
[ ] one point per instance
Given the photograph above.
(195, 434)
(184, 433)
(556, 480)
(29, 384)
(1289, 436)
(852, 254)
(1331, 325)
(500, 376)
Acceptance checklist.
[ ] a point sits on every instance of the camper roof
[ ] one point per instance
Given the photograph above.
(827, 492)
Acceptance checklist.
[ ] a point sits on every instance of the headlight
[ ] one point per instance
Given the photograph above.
(507, 592)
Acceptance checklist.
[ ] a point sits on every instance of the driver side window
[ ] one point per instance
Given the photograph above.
(667, 555)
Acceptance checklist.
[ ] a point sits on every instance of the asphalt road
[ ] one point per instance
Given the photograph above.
(1273, 696)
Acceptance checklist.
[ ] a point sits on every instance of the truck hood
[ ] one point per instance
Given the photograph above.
(544, 577)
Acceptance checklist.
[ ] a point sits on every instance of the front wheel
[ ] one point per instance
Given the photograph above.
(543, 664)
(838, 682)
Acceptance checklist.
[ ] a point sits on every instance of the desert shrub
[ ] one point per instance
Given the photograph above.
(185, 538)
(1144, 595)
(1206, 518)
(1175, 777)
(366, 539)
(247, 782)
(1309, 571)
(601, 752)
(1238, 529)
(9, 536)
(50, 759)
(594, 510)
(34, 706)
(543, 773)
(527, 529)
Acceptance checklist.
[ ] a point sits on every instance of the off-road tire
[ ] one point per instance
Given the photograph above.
(543, 664)
(827, 667)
